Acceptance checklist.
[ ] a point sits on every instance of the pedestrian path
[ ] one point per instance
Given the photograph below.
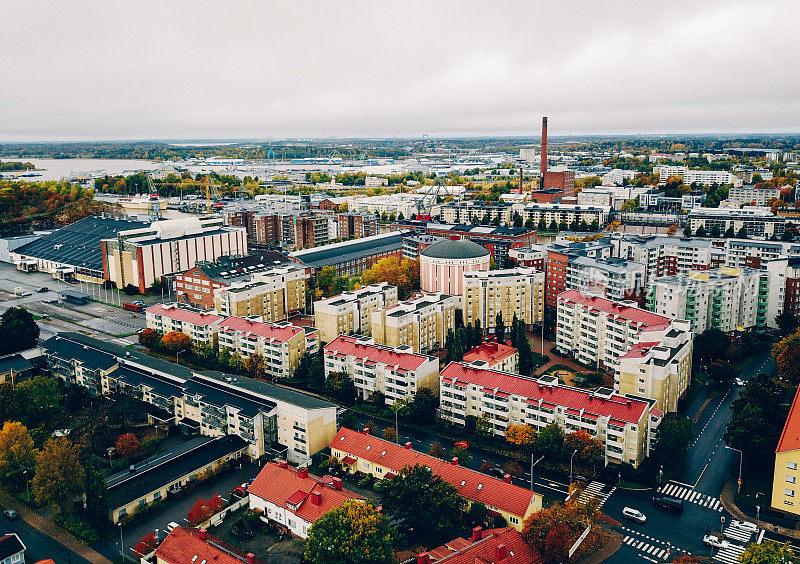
(688, 494)
(729, 554)
(738, 534)
(595, 489)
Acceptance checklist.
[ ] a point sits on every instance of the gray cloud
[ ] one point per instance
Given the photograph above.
(151, 69)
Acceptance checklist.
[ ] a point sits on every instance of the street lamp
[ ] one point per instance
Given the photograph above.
(27, 487)
(397, 406)
(758, 511)
(177, 357)
(739, 487)
(570, 467)
(121, 542)
(721, 523)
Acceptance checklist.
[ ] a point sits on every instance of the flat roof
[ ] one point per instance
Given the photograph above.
(326, 255)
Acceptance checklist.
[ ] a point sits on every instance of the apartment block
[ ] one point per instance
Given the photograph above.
(200, 327)
(784, 288)
(729, 299)
(364, 453)
(785, 488)
(533, 257)
(274, 294)
(473, 211)
(274, 421)
(742, 252)
(625, 425)
(567, 213)
(660, 370)
(398, 373)
(351, 257)
(665, 256)
(759, 223)
(515, 291)
(597, 331)
(612, 278)
(356, 225)
(748, 194)
(421, 323)
(281, 344)
(494, 356)
(351, 312)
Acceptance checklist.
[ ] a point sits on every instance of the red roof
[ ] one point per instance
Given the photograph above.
(618, 407)
(184, 546)
(640, 350)
(266, 330)
(283, 485)
(470, 484)
(491, 353)
(180, 314)
(484, 550)
(790, 437)
(344, 344)
(635, 314)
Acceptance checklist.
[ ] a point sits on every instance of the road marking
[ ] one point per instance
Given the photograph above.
(691, 496)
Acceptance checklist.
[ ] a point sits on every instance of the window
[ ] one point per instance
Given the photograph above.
(513, 520)
(791, 465)
(788, 493)
(790, 479)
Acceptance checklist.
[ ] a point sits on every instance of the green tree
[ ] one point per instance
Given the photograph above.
(687, 231)
(59, 474)
(37, 398)
(96, 496)
(341, 386)
(352, 533)
(768, 552)
(463, 456)
(422, 408)
(423, 501)
(18, 330)
(712, 344)
(756, 420)
(483, 426)
(499, 328)
(674, 434)
(542, 225)
(786, 322)
(476, 515)
(550, 441)
(742, 233)
(701, 231)
(729, 232)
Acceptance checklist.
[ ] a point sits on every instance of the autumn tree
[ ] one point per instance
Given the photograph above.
(672, 229)
(552, 531)
(175, 342)
(146, 544)
(786, 354)
(423, 501)
(512, 468)
(255, 366)
(403, 273)
(149, 338)
(128, 444)
(59, 474)
(16, 451)
(203, 509)
(768, 552)
(521, 435)
(589, 450)
(353, 533)
(437, 449)
(390, 434)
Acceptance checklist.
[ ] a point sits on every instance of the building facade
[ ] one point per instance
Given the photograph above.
(421, 323)
(274, 294)
(200, 327)
(442, 266)
(351, 312)
(515, 291)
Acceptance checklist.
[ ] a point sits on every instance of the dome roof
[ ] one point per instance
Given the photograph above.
(455, 249)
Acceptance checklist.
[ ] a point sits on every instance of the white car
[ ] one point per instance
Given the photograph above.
(745, 526)
(739, 382)
(171, 526)
(716, 541)
(634, 515)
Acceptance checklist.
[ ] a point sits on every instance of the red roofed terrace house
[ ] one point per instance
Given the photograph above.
(200, 327)
(365, 453)
(625, 425)
(185, 545)
(489, 546)
(293, 499)
(396, 372)
(494, 356)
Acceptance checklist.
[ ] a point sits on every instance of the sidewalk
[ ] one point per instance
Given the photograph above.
(54, 531)
(727, 498)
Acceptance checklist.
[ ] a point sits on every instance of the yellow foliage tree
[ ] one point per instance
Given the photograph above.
(352, 533)
(59, 474)
(521, 435)
(401, 273)
(17, 452)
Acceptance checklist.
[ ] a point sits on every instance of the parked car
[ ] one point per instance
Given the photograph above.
(745, 526)
(241, 531)
(239, 492)
(51, 301)
(43, 289)
(497, 472)
(716, 540)
(581, 480)
(668, 502)
(634, 515)
(462, 444)
(739, 382)
(10, 514)
(172, 525)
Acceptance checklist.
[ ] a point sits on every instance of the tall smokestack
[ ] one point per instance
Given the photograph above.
(543, 165)
(520, 179)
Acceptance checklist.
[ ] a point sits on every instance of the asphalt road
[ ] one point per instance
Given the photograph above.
(39, 545)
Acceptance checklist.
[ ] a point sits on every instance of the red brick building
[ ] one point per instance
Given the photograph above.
(355, 225)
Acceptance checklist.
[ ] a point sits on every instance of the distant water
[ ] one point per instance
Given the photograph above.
(56, 169)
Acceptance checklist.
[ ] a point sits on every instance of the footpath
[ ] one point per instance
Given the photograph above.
(727, 497)
(53, 531)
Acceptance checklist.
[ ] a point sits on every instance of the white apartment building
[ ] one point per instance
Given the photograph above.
(746, 194)
(597, 331)
(784, 288)
(375, 181)
(616, 177)
(200, 327)
(514, 291)
(399, 373)
(729, 299)
(351, 312)
(664, 255)
(743, 252)
(664, 172)
(407, 204)
(469, 211)
(421, 322)
(612, 278)
(709, 177)
(281, 344)
(596, 196)
(564, 212)
(624, 425)
(528, 154)
(759, 223)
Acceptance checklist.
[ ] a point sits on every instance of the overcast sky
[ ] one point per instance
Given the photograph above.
(195, 69)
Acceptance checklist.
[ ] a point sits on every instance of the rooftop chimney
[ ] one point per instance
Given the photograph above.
(423, 558)
(507, 478)
(365, 430)
(454, 462)
(337, 484)
(501, 552)
(251, 558)
(283, 464)
(543, 165)
(203, 534)
(408, 445)
(316, 498)
(476, 534)
(302, 473)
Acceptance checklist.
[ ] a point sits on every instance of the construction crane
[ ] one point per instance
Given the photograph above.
(151, 190)
(211, 192)
(430, 198)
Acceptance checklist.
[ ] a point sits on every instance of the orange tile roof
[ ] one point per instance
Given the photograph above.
(377, 353)
(184, 546)
(790, 437)
(646, 318)
(484, 550)
(470, 484)
(283, 485)
(267, 330)
(180, 314)
(491, 353)
(640, 350)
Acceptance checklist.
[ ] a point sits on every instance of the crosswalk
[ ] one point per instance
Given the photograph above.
(595, 489)
(741, 535)
(729, 554)
(652, 547)
(687, 494)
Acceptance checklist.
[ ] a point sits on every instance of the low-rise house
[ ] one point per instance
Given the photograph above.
(484, 546)
(293, 499)
(494, 356)
(383, 459)
(186, 545)
(200, 327)
(12, 550)
(399, 373)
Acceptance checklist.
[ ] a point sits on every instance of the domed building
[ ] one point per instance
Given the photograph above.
(443, 264)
